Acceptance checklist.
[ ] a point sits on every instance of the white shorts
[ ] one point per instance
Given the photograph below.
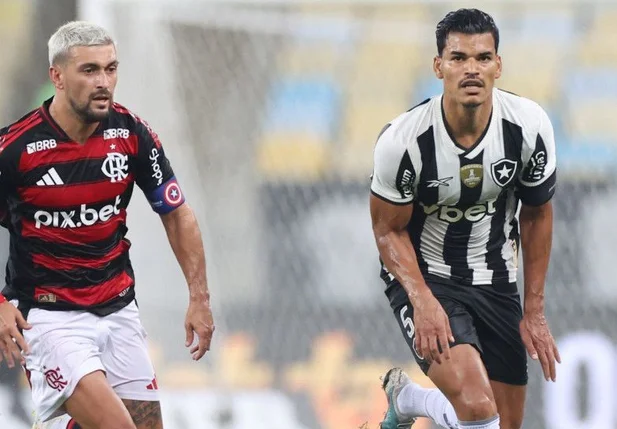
(67, 345)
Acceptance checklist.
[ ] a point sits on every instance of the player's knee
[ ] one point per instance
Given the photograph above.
(474, 406)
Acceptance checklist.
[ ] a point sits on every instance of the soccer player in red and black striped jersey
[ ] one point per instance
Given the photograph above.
(67, 173)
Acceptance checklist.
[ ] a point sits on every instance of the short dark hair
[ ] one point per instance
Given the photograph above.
(466, 21)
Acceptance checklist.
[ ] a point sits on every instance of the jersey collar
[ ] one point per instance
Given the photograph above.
(60, 134)
(478, 146)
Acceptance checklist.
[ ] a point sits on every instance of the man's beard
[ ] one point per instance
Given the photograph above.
(473, 105)
(88, 115)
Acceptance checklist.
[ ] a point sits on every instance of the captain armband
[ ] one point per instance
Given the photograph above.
(167, 197)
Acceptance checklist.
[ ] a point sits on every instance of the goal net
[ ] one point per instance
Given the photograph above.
(269, 111)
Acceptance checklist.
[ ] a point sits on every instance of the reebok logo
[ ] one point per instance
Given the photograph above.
(439, 182)
(73, 219)
(40, 145)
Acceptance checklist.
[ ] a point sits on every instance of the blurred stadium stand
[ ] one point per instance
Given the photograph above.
(560, 57)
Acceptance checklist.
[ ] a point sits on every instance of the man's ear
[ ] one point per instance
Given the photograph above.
(437, 63)
(56, 76)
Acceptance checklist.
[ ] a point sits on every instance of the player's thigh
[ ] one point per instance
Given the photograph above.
(145, 414)
(126, 358)
(498, 313)
(463, 379)
(129, 368)
(94, 405)
(63, 349)
(510, 401)
(461, 322)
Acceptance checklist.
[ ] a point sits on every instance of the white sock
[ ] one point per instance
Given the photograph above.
(417, 401)
(492, 423)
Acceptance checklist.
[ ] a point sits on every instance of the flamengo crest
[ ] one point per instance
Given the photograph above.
(54, 379)
(116, 166)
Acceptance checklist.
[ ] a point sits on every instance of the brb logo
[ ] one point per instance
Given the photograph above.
(85, 217)
(40, 145)
(453, 214)
(115, 133)
(156, 168)
(116, 166)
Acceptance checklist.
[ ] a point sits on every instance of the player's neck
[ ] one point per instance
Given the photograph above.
(466, 124)
(70, 123)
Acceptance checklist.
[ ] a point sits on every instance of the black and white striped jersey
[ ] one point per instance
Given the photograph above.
(464, 225)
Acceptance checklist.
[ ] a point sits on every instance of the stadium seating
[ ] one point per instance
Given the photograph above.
(334, 95)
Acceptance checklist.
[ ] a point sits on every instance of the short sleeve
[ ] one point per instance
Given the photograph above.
(153, 167)
(394, 176)
(538, 178)
(154, 174)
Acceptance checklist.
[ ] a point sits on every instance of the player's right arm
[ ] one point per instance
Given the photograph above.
(11, 319)
(391, 206)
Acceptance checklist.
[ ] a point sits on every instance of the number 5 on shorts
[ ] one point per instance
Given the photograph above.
(410, 331)
(407, 322)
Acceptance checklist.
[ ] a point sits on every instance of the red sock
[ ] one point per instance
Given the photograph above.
(73, 425)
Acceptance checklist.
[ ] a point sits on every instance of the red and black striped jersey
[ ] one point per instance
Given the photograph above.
(64, 204)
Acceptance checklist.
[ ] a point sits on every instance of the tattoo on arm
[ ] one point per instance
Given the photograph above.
(145, 414)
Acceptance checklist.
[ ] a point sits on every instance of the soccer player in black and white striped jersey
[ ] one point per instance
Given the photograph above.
(450, 177)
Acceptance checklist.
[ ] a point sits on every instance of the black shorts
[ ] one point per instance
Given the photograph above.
(482, 316)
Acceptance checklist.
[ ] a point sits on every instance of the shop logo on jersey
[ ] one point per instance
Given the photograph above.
(116, 166)
(40, 145)
(73, 219)
(452, 214)
(156, 168)
(471, 175)
(503, 171)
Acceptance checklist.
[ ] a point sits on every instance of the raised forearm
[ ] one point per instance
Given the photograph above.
(536, 241)
(185, 240)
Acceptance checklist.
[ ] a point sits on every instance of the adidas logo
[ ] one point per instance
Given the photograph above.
(50, 178)
(153, 386)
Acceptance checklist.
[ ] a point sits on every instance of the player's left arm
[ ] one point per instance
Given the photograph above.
(535, 188)
(185, 238)
(155, 176)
